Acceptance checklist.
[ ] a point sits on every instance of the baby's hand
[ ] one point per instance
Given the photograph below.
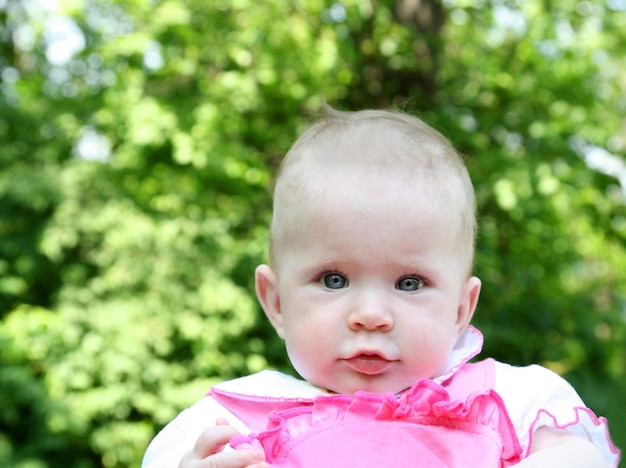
(208, 451)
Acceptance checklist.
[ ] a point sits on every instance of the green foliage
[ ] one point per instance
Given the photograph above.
(135, 184)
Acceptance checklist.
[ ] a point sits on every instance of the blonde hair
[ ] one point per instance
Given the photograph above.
(396, 137)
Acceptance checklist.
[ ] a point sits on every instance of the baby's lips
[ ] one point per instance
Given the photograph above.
(368, 363)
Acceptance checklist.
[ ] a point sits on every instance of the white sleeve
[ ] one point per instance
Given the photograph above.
(535, 396)
(180, 435)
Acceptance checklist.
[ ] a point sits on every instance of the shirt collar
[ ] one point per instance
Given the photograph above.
(468, 345)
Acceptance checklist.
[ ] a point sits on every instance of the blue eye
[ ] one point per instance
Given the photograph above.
(334, 281)
(410, 283)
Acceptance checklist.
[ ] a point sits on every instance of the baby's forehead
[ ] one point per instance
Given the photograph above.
(326, 192)
(369, 181)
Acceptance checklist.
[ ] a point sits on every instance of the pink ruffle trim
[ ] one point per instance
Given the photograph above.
(584, 424)
(427, 403)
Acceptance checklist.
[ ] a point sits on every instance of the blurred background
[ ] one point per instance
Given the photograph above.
(138, 144)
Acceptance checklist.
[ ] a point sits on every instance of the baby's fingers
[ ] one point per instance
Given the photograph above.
(208, 451)
(213, 439)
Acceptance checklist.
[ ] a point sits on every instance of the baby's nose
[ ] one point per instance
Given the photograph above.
(371, 312)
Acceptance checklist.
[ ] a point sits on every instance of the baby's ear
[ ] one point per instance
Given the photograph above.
(468, 302)
(267, 294)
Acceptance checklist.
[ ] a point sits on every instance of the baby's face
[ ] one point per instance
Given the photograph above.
(375, 294)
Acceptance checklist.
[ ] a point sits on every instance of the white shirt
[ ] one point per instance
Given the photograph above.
(533, 395)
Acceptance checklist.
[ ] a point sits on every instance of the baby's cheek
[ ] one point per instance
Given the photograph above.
(307, 360)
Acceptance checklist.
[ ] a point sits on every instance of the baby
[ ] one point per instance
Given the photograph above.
(370, 287)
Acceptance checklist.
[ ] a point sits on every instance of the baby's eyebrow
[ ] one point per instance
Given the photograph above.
(316, 268)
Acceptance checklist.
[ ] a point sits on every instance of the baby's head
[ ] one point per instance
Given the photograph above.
(379, 146)
(372, 243)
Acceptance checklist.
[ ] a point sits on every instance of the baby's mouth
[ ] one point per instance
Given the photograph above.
(368, 364)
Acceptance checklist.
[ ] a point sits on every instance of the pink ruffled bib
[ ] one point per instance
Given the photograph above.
(423, 427)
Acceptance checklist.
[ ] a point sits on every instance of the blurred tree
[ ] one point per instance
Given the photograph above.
(138, 143)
